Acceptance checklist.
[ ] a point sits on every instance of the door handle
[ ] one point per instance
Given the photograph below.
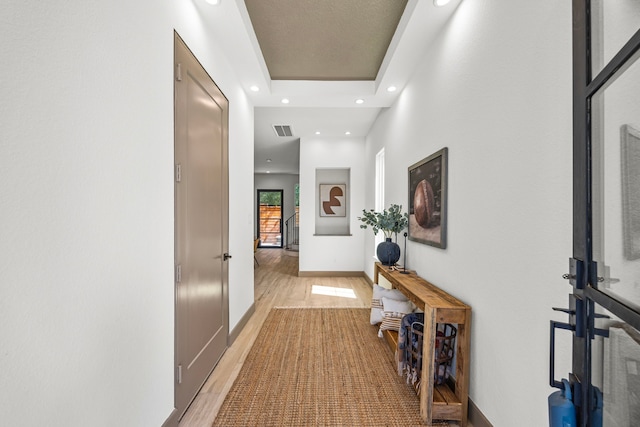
(552, 351)
(226, 256)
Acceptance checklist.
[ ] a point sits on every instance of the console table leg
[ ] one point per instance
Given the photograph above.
(462, 364)
(428, 355)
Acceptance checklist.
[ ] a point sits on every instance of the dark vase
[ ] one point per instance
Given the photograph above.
(388, 252)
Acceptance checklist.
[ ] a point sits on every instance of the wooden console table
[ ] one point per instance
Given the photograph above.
(446, 401)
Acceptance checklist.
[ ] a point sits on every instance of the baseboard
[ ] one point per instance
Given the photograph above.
(233, 335)
(331, 274)
(368, 279)
(476, 417)
(173, 419)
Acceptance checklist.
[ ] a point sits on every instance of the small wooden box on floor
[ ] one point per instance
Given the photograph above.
(437, 402)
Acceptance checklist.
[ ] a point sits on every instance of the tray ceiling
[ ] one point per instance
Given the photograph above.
(324, 39)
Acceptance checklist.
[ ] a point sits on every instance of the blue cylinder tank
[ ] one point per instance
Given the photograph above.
(562, 412)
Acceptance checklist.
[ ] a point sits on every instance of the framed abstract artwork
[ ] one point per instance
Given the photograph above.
(333, 200)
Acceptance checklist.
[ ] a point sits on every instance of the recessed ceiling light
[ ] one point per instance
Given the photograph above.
(268, 160)
(285, 101)
(255, 88)
(440, 2)
(268, 171)
(359, 101)
(392, 89)
(317, 132)
(213, 2)
(347, 133)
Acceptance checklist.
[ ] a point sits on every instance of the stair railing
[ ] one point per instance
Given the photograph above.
(291, 231)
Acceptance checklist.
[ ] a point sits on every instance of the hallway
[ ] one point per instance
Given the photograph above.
(276, 285)
(88, 194)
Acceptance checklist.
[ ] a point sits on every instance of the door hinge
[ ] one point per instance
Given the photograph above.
(179, 374)
(179, 72)
(178, 273)
(178, 172)
(576, 273)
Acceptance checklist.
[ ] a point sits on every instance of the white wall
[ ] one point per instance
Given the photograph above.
(274, 181)
(495, 87)
(330, 253)
(86, 218)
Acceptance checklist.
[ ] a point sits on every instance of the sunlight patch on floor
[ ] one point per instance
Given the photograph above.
(334, 292)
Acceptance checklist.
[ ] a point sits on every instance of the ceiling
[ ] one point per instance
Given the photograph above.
(322, 55)
(324, 40)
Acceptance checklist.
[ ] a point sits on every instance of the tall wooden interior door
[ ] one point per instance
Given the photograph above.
(201, 225)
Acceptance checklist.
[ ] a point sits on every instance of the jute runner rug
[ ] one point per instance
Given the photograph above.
(319, 367)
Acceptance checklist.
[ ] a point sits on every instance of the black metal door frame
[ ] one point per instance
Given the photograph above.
(583, 268)
(281, 192)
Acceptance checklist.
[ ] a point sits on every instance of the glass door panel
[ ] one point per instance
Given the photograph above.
(615, 197)
(616, 372)
(605, 269)
(616, 186)
(613, 22)
(270, 218)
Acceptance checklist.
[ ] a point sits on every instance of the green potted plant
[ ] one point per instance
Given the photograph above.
(391, 221)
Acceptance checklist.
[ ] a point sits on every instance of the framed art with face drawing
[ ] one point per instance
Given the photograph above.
(428, 200)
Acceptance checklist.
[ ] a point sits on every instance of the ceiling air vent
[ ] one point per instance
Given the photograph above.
(283, 130)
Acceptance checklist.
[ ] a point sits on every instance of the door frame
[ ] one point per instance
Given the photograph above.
(281, 191)
(583, 268)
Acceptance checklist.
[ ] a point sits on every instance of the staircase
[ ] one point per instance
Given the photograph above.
(291, 226)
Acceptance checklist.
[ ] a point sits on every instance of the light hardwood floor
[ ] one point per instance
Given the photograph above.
(276, 285)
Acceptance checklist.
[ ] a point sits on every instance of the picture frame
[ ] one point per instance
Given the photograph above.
(630, 164)
(333, 200)
(428, 200)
